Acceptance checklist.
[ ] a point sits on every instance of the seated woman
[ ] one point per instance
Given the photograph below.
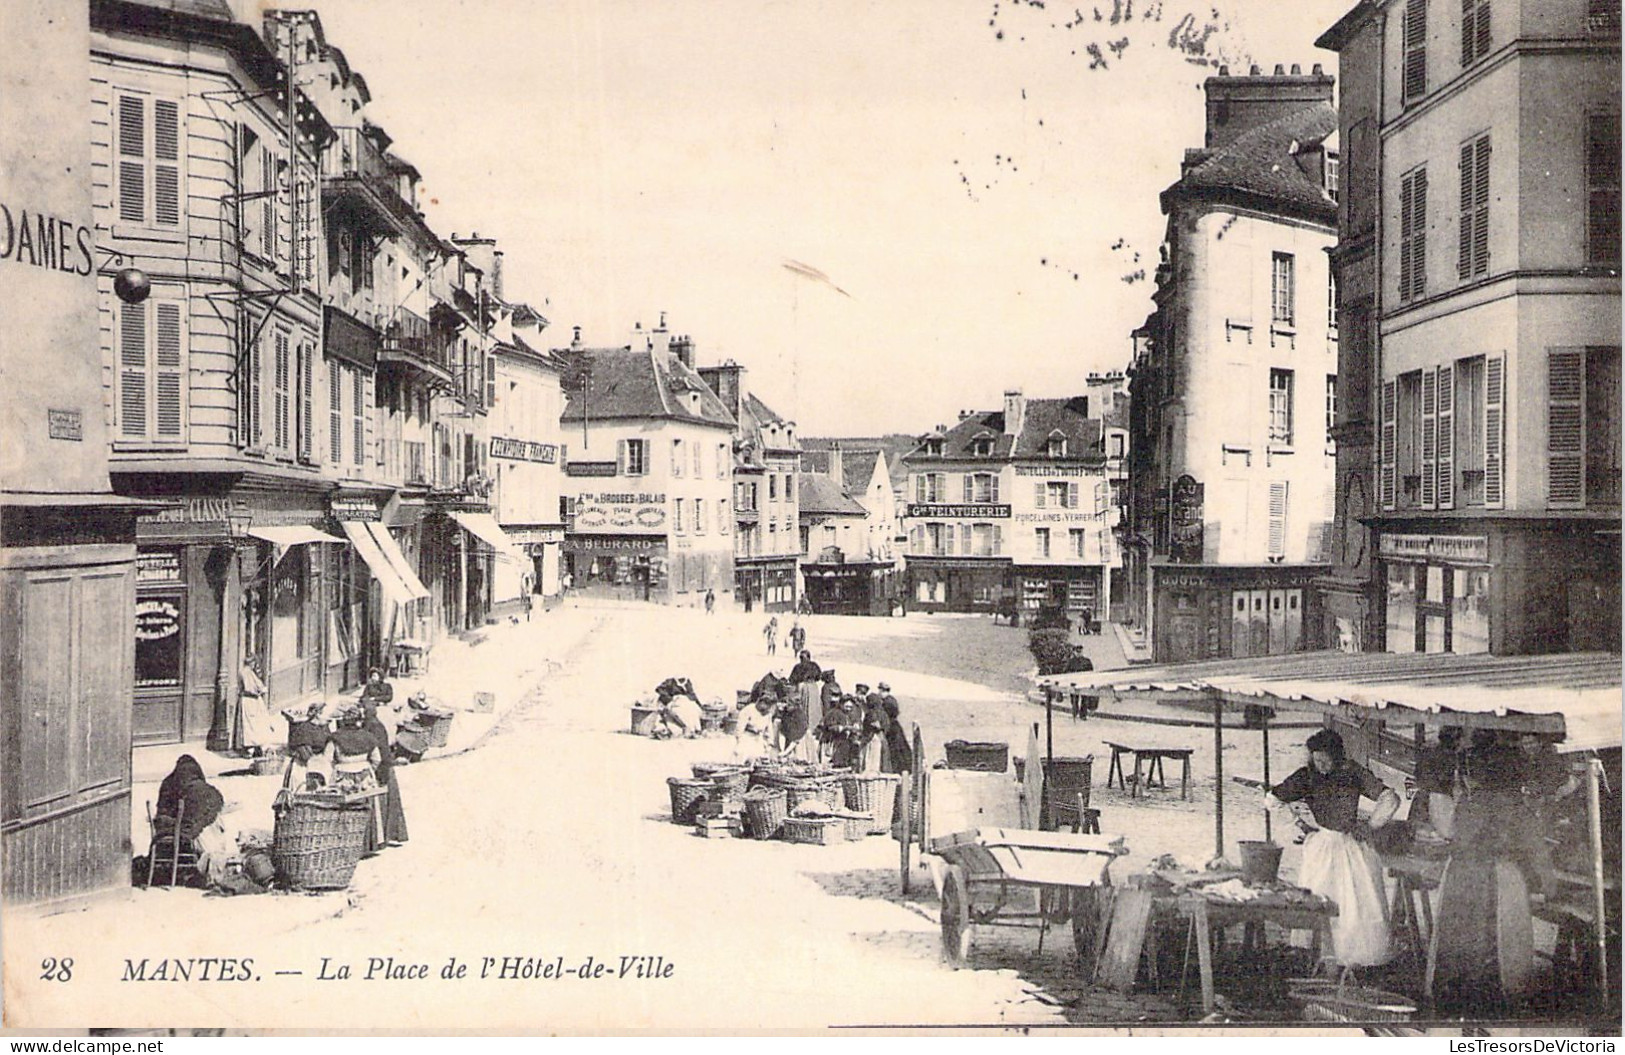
(757, 728)
(187, 805)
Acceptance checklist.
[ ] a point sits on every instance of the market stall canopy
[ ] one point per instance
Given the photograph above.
(283, 537)
(1575, 695)
(484, 527)
(399, 584)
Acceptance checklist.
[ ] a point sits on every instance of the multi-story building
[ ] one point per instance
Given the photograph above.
(841, 574)
(1486, 136)
(526, 442)
(863, 473)
(1012, 510)
(1234, 379)
(649, 479)
(766, 461)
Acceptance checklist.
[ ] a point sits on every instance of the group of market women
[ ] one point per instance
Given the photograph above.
(808, 716)
(331, 749)
(1493, 801)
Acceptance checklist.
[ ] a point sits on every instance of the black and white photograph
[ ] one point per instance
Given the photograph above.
(814, 517)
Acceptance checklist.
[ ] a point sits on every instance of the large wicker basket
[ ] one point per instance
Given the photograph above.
(817, 831)
(644, 720)
(858, 825)
(1324, 1000)
(765, 812)
(874, 794)
(706, 770)
(983, 757)
(438, 726)
(727, 791)
(686, 798)
(319, 840)
(823, 792)
(412, 738)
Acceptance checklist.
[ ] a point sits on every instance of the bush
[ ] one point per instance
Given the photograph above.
(1052, 648)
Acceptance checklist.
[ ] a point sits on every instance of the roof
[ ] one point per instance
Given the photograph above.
(1573, 694)
(817, 495)
(1045, 419)
(753, 415)
(895, 446)
(857, 467)
(1343, 30)
(1260, 164)
(622, 383)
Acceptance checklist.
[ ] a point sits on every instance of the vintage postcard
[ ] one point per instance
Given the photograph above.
(970, 515)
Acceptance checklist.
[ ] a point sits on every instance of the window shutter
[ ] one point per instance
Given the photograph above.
(1464, 256)
(1430, 437)
(1481, 31)
(919, 488)
(970, 488)
(1494, 424)
(1446, 446)
(267, 203)
(1419, 217)
(358, 381)
(280, 407)
(1481, 197)
(1602, 185)
(335, 412)
(1277, 540)
(1387, 455)
(132, 154)
(1565, 427)
(1039, 494)
(998, 540)
(307, 398)
(1072, 495)
(995, 491)
(169, 378)
(1416, 53)
(1407, 229)
(254, 387)
(133, 371)
(621, 457)
(166, 168)
(948, 540)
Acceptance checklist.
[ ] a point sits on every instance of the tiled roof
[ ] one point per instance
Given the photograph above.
(895, 446)
(1260, 163)
(857, 467)
(623, 383)
(1044, 418)
(817, 495)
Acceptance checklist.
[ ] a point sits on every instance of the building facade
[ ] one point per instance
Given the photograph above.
(649, 480)
(1494, 385)
(1234, 379)
(527, 469)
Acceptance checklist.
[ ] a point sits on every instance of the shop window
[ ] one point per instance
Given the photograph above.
(159, 641)
(1401, 628)
(1470, 611)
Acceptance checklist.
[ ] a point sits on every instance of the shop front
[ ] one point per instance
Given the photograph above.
(1436, 593)
(969, 584)
(620, 567)
(543, 545)
(835, 586)
(1214, 611)
(1076, 589)
(767, 583)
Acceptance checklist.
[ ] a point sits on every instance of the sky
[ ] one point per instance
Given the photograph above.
(889, 212)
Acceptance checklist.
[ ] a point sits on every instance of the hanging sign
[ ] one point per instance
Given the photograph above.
(155, 620)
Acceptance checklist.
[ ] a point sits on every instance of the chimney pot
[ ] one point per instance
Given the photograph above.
(1297, 70)
(1224, 71)
(1316, 69)
(1280, 70)
(1254, 71)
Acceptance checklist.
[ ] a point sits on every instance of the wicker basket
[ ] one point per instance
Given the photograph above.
(712, 719)
(438, 726)
(1066, 777)
(858, 826)
(727, 791)
(319, 839)
(706, 770)
(823, 792)
(644, 720)
(817, 831)
(686, 798)
(765, 812)
(982, 757)
(1326, 1001)
(270, 762)
(412, 738)
(874, 794)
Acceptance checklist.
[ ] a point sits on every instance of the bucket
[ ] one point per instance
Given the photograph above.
(1260, 862)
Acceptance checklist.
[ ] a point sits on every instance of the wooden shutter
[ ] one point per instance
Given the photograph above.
(1481, 203)
(1464, 255)
(970, 488)
(169, 377)
(1430, 438)
(267, 203)
(1040, 490)
(1416, 50)
(621, 458)
(998, 540)
(133, 371)
(335, 412)
(1387, 454)
(166, 163)
(1277, 540)
(1494, 434)
(1481, 31)
(359, 380)
(280, 391)
(1602, 185)
(132, 158)
(1419, 235)
(1446, 447)
(1565, 427)
(995, 490)
(307, 398)
(1072, 495)
(919, 488)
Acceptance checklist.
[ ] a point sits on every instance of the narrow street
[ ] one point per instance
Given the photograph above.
(552, 839)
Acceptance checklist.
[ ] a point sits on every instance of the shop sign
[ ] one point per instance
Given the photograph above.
(65, 425)
(622, 512)
(40, 240)
(155, 620)
(201, 511)
(1465, 549)
(982, 511)
(163, 566)
(1185, 521)
(353, 507)
(591, 469)
(524, 450)
(1056, 518)
(605, 545)
(536, 536)
(1056, 470)
(1183, 581)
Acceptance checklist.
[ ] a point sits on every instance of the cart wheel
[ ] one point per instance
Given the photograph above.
(955, 917)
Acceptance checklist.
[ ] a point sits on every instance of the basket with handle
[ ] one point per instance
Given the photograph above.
(319, 839)
(686, 798)
(765, 812)
(874, 794)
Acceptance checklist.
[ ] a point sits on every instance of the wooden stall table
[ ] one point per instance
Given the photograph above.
(1206, 913)
(1151, 758)
(1415, 878)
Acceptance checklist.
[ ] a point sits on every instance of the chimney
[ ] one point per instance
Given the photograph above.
(1015, 411)
(837, 472)
(660, 340)
(682, 346)
(727, 379)
(482, 253)
(1236, 105)
(575, 341)
(496, 274)
(640, 340)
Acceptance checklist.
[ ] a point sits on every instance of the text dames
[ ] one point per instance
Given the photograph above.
(44, 241)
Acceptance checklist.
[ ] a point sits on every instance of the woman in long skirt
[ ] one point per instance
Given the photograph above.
(394, 815)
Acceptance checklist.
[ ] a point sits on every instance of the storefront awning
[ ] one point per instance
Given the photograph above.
(1574, 695)
(282, 537)
(484, 527)
(390, 580)
(398, 561)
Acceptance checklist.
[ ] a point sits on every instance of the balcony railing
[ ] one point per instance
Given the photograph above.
(355, 160)
(409, 338)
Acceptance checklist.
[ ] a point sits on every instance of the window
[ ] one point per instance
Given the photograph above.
(1416, 51)
(698, 454)
(982, 446)
(722, 461)
(1282, 295)
(1475, 31)
(1406, 457)
(699, 516)
(981, 487)
(257, 178)
(985, 540)
(1331, 404)
(677, 459)
(360, 267)
(1332, 175)
(148, 153)
(1413, 221)
(1467, 442)
(358, 411)
(1117, 444)
(1277, 536)
(680, 524)
(755, 495)
(1474, 257)
(281, 394)
(1074, 543)
(152, 371)
(772, 487)
(933, 448)
(335, 412)
(930, 487)
(934, 539)
(634, 458)
(1281, 406)
(1055, 494)
(1056, 448)
(1041, 543)
(1582, 427)
(1602, 185)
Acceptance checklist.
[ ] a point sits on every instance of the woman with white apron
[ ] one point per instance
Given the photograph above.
(1338, 860)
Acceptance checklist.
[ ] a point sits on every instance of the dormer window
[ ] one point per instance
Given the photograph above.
(933, 448)
(982, 447)
(1331, 175)
(1056, 447)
